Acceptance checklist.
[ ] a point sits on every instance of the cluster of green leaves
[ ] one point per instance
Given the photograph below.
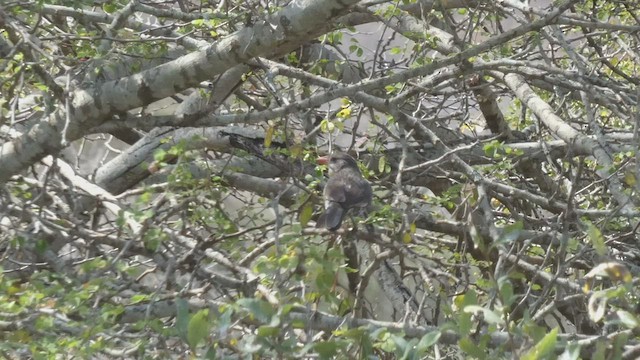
(76, 4)
(502, 153)
(49, 311)
(208, 331)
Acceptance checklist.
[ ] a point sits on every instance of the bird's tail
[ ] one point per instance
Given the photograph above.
(332, 217)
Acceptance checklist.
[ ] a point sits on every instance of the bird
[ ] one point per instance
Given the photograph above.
(346, 189)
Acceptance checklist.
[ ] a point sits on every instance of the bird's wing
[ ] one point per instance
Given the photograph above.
(335, 190)
(358, 191)
(348, 186)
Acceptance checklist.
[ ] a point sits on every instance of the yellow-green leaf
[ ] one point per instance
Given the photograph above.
(597, 306)
(109, 7)
(613, 270)
(629, 178)
(326, 349)
(306, 213)
(544, 347)
(327, 126)
(491, 316)
(344, 113)
(265, 331)
(628, 319)
(467, 345)
(596, 238)
(198, 328)
(268, 137)
(429, 339)
(296, 150)
(382, 162)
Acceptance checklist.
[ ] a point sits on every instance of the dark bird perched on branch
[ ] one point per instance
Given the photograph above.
(346, 189)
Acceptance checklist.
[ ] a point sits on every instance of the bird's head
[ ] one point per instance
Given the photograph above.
(338, 161)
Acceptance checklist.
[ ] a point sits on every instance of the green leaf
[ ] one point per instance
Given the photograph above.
(306, 213)
(182, 318)
(266, 331)
(544, 347)
(571, 352)
(327, 126)
(258, 309)
(224, 320)
(428, 340)
(619, 344)
(198, 328)
(491, 148)
(326, 349)
(268, 137)
(109, 7)
(139, 298)
(506, 291)
(511, 232)
(613, 270)
(159, 155)
(628, 319)
(345, 113)
(211, 353)
(401, 346)
(325, 279)
(464, 318)
(490, 316)
(467, 345)
(597, 240)
(382, 162)
(602, 348)
(597, 305)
